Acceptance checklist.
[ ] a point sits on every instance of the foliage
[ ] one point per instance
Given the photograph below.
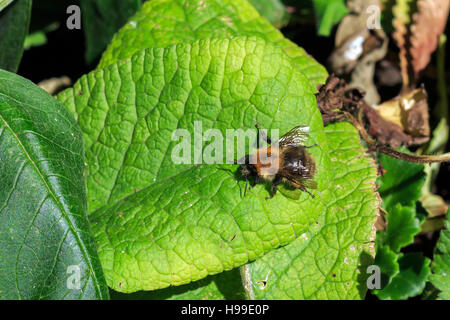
(404, 275)
(101, 19)
(43, 224)
(14, 22)
(328, 13)
(273, 10)
(441, 264)
(89, 185)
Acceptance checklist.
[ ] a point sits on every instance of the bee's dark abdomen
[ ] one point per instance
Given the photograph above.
(296, 162)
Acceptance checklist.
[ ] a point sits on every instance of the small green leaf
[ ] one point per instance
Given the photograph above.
(402, 227)
(158, 223)
(44, 232)
(14, 23)
(402, 182)
(35, 39)
(328, 13)
(223, 286)
(400, 189)
(39, 37)
(160, 23)
(273, 10)
(386, 260)
(410, 281)
(441, 263)
(101, 19)
(327, 261)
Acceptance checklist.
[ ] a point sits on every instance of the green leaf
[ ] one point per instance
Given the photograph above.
(39, 37)
(158, 223)
(44, 232)
(386, 260)
(410, 281)
(35, 39)
(273, 10)
(328, 13)
(223, 286)
(327, 261)
(402, 227)
(4, 4)
(401, 183)
(101, 19)
(160, 23)
(441, 263)
(400, 188)
(14, 23)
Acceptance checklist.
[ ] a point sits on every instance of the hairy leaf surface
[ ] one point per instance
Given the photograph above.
(160, 23)
(329, 260)
(158, 223)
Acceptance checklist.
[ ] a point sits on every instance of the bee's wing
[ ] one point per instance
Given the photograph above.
(295, 137)
(302, 181)
(309, 183)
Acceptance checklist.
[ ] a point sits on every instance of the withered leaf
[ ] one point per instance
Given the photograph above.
(428, 24)
(358, 47)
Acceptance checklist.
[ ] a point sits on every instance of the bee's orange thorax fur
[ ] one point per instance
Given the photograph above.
(268, 162)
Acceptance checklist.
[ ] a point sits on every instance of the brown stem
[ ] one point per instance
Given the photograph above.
(412, 157)
(373, 145)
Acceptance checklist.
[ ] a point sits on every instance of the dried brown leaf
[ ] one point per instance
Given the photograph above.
(400, 121)
(409, 114)
(428, 24)
(358, 48)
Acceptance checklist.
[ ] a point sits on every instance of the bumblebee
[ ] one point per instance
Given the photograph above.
(286, 161)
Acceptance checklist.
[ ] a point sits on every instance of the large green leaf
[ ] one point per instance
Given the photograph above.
(158, 223)
(101, 19)
(329, 260)
(14, 22)
(441, 263)
(222, 286)
(160, 23)
(44, 231)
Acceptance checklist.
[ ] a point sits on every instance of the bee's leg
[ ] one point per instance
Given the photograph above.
(245, 190)
(256, 180)
(303, 188)
(314, 145)
(275, 183)
(263, 135)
